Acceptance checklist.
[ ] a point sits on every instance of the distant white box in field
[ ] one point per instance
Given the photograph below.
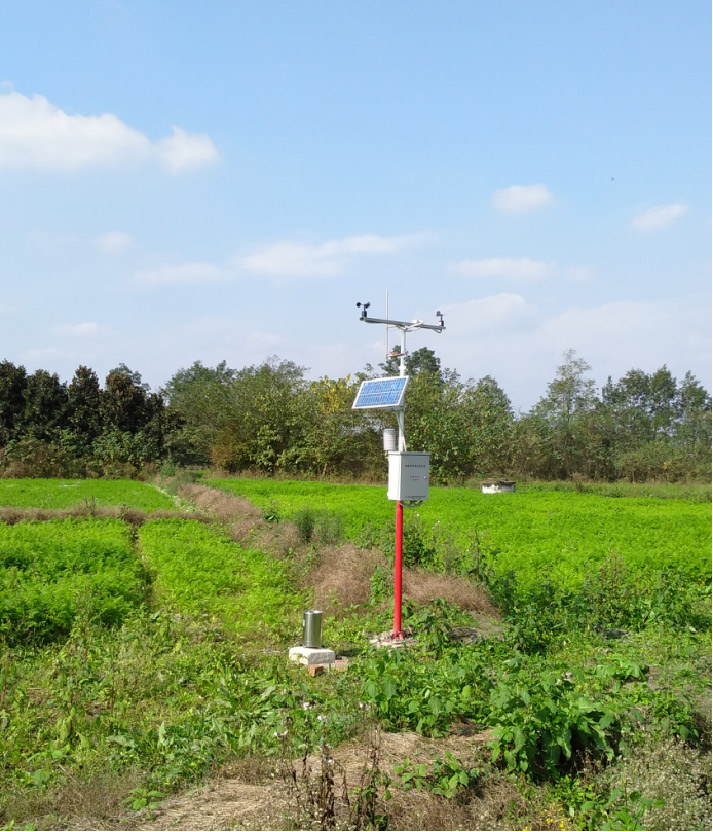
(408, 475)
(498, 487)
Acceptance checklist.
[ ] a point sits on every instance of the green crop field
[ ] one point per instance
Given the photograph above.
(62, 494)
(140, 655)
(205, 574)
(52, 572)
(540, 535)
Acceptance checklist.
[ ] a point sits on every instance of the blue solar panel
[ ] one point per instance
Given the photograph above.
(381, 392)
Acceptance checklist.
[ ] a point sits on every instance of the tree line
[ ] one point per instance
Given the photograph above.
(269, 418)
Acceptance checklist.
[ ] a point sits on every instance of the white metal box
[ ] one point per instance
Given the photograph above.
(408, 475)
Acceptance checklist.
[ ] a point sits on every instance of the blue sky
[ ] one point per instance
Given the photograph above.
(225, 180)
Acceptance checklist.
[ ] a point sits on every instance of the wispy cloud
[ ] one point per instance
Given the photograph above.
(522, 268)
(195, 272)
(658, 217)
(80, 330)
(481, 314)
(324, 259)
(114, 242)
(521, 199)
(36, 134)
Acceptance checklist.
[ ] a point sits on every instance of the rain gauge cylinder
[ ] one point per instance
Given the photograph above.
(312, 628)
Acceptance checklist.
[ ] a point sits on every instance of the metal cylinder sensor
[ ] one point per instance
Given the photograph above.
(312, 628)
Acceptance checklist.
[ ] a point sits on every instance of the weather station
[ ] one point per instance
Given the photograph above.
(408, 470)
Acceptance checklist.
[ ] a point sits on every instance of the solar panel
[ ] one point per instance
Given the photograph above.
(386, 393)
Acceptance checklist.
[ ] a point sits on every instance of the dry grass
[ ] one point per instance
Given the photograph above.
(93, 801)
(133, 516)
(422, 587)
(224, 507)
(342, 576)
(278, 794)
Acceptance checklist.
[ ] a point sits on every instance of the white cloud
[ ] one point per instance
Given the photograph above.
(36, 134)
(646, 332)
(186, 151)
(522, 268)
(474, 316)
(520, 199)
(81, 330)
(183, 273)
(40, 354)
(658, 217)
(521, 345)
(224, 333)
(114, 242)
(325, 259)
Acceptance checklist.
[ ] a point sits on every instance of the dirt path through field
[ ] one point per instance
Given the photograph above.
(289, 790)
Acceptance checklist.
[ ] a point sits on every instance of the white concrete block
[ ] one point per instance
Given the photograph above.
(312, 655)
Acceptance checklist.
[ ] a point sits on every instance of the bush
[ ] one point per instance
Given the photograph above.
(31, 457)
(540, 722)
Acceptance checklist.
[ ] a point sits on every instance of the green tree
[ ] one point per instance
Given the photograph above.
(693, 425)
(201, 401)
(531, 452)
(422, 360)
(490, 422)
(662, 403)
(45, 410)
(13, 381)
(437, 422)
(125, 400)
(133, 420)
(330, 437)
(263, 422)
(84, 408)
(629, 401)
(570, 398)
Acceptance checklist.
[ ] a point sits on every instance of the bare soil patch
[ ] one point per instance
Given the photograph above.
(235, 801)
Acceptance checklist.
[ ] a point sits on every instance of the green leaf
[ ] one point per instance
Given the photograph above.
(435, 706)
(389, 687)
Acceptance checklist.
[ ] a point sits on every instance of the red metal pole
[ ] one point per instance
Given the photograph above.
(397, 633)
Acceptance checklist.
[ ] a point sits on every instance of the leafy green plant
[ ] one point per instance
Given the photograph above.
(432, 623)
(419, 548)
(305, 521)
(419, 691)
(271, 512)
(445, 776)
(540, 721)
(66, 493)
(143, 798)
(562, 534)
(381, 584)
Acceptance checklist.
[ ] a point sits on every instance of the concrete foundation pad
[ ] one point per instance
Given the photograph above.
(312, 655)
(385, 639)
